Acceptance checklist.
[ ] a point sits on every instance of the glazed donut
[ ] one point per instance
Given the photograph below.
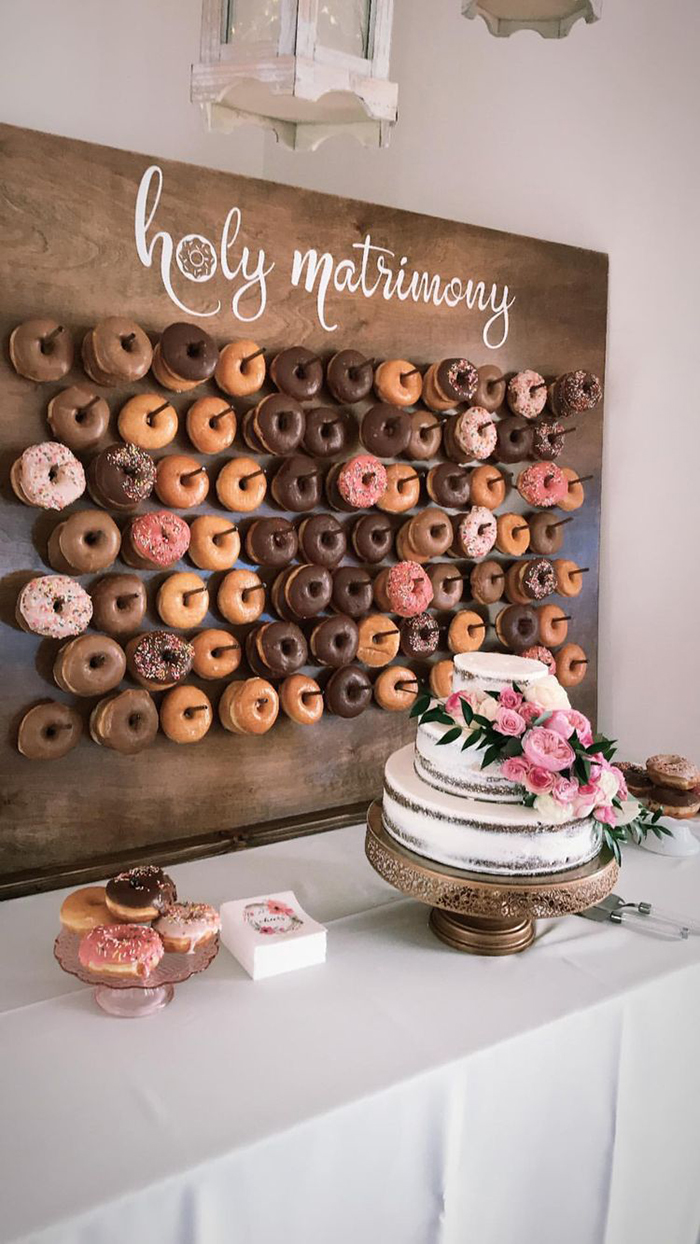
(241, 485)
(398, 383)
(298, 372)
(379, 591)
(89, 665)
(429, 533)
(158, 539)
(548, 438)
(356, 484)
(402, 489)
(126, 723)
(349, 377)
(322, 541)
(272, 542)
(348, 692)
(426, 436)
(512, 534)
(475, 533)
(241, 597)
(449, 485)
(275, 649)
(49, 731)
(469, 435)
(301, 699)
(467, 631)
(118, 604)
(517, 627)
(87, 541)
(352, 591)
(298, 484)
(185, 356)
(217, 654)
(53, 605)
(183, 600)
(41, 350)
(514, 439)
(334, 641)
(278, 424)
(385, 431)
(672, 772)
(527, 394)
(569, 577)
(328, 433)
(448, 383)
(408, 589)
(441, 674)
(185, 714)
(514, 586)
(546, 534)
(487, 487)
(419, 636)
(302, 592)
(147, 421)
(120, 477)
(572, 665)
(575, 495)
(372, 538)
(539, 653)
(78, 417)
(543, 484)
(378, 640)
(491, 388)
(48, 476)
(487, 582)
(181, 481)
(574, 393)
(85, 909)
(140, 894)
(240, 371)
(123, 950)
(249, 706)
(447, 584)
(538, 578)
(182, 927)
(211, 425)
(553, 625)
(116, 351)
(396, 689)
(431, 395)
(158, 659)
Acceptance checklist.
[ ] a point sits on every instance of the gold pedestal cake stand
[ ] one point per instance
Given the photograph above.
(480, 913)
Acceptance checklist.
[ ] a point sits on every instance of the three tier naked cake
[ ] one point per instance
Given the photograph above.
(441, 804)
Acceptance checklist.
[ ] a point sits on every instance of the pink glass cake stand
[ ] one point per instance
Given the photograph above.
(131, 998)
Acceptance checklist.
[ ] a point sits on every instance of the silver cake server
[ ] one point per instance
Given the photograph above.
(642, 917)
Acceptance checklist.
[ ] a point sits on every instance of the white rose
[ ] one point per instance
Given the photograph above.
(488, 708)
(628, 812)
(551, 810)
(607, 788)
(547, 694)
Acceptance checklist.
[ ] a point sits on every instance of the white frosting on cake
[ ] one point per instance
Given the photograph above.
(448, 768)
(492, 671)
(477, 835)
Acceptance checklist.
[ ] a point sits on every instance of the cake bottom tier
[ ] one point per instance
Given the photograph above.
(477, 836)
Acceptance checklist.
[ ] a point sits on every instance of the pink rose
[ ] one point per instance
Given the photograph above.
(547, 749)
(622, 791)
(606, 813)
(559, 721)
(509, 722)
(538, 781)
(529, 712)
(453, 703)
(565, 790)
(510, 698)
(582, 726)
(514, 769)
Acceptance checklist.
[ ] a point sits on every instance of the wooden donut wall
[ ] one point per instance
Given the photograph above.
(68, 251)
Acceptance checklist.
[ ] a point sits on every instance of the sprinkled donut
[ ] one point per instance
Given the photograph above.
(475, 534)
(121, 950)
(527, 394)
(547, 439)
(54, 605)
(408, 589)
(120, 477)
(574, 393)
(538, 652)
(361, 481)
(538, 579)
(542, 484)
(49, 731)
(159, 659)
(419, 636)
(158, 539)
(472, 434)
(48, 476)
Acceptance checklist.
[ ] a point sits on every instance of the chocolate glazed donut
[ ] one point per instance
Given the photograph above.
(352, 591)
(514, 439)
(372, 538)
(276, 649)
(334, 641)
(348, 692)
(329, 433)
(322, 540)
(298, 372)
(546, 534)
(188, 351)
(448, 485)
(385, 431)
(271, 542)
(517, 627)
(278, 424)
(349, 376)
(298, 484)
(302, 591)
(447, 583)
(491, 389)
(118, 604)
(426, 436)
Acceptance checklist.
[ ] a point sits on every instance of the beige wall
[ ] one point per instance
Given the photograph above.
(590, 141)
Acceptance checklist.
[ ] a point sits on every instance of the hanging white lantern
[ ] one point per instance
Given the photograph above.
(550, 18)
(305, 69)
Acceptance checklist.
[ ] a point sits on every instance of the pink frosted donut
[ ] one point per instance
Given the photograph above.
(362, 481)
(54, 605)
(408, 589)
(527, 394)
(475, 433)
(476, 534)
(161, 538)
(543, 484)
(539, 653)
(49, 476)
(121, 950)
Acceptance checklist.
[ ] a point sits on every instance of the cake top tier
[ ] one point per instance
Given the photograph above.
(494, 670)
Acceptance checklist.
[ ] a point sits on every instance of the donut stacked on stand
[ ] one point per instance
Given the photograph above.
(253, 531)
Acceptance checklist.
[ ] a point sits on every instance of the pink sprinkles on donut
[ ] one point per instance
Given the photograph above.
(362, 481)
(162, 657)
(162, 537)
(138, 467)
(55, 605)
(408, 588)
(543, 484)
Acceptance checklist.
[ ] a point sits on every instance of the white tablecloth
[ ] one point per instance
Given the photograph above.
(402, 1093)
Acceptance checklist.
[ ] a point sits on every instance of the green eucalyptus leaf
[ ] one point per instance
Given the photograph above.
(450, 735)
